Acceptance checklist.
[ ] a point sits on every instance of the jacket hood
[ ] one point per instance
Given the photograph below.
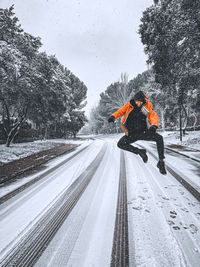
(146, 104)
(140, 96)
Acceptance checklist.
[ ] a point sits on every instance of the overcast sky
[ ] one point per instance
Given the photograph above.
(96, 39)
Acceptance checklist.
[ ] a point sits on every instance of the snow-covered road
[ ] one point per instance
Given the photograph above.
(163, 216)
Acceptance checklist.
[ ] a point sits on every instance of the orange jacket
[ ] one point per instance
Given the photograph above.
(147, 109)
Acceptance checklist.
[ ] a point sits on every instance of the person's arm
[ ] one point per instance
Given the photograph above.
(153, 118)
(120, 112)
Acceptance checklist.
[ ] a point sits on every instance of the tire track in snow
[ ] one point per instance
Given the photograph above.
(86, 237)
(182, 154)
(120, 252)
(179, 178)
(22, 197)
(38, 178)
(29, 249)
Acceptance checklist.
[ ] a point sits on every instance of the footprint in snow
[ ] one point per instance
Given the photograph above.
(176, 228)
(193, 229)
(173, 214)
(165, 198)
(170, 222)
(136, 208)
(184, 209)
(185, 226)
(143, 198)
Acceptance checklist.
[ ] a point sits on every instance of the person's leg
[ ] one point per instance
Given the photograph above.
(160, 145)
(159, 142)
(160, 148)
(124, 143)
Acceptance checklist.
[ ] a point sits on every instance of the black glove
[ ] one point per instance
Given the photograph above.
(152, 129)
(111, 119)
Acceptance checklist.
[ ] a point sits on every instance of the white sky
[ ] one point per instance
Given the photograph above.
(96, 39)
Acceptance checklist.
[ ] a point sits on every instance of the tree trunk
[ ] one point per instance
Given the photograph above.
(45, 133)
(163, 118)
(195, 121)
(14, 131)
(180, 121)
(6, 118)
(185, 119)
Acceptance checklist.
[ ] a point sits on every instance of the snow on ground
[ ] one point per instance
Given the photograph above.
(26, 208)
(48, 165)
(182, 165)
(191, 139)
(187, 168)
(85, 238)
(163, 216)
(22, 150)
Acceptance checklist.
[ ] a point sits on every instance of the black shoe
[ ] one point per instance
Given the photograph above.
(161, 167)
(143, 154)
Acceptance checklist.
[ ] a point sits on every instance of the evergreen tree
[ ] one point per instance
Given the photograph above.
(34, 85)
(171, 34)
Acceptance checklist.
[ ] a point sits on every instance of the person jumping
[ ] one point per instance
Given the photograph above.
(140, 122)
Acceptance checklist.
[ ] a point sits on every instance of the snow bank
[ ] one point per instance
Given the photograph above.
(191, 139)
(22, 150)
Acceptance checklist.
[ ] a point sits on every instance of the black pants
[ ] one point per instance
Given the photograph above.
(125, 141)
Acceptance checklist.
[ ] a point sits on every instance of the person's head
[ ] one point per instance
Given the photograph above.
(139, 98)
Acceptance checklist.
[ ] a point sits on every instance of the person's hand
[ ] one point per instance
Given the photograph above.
(111, 119)
(152, 129)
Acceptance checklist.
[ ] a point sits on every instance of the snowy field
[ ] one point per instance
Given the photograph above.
(191, 139)
(22, 150)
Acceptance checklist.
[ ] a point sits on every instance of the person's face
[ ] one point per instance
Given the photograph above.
(138, 103)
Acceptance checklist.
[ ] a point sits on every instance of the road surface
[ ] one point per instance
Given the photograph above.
(104, 207)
